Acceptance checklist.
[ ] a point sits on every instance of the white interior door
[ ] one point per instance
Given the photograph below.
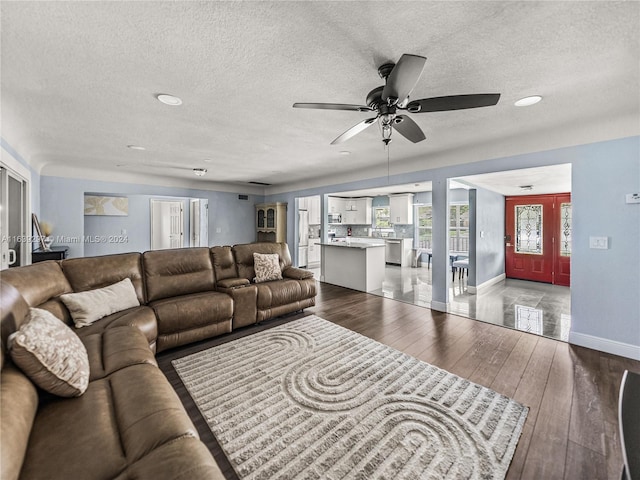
(166, 224)
(15, 248)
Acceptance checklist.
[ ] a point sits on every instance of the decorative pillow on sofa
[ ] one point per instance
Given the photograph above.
(267, 267)
(50, 354)
(87, 307)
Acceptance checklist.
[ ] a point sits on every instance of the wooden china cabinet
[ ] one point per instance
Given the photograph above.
(271, 222)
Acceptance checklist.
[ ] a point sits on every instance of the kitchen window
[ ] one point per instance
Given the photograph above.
(382, 217)
(458, 227)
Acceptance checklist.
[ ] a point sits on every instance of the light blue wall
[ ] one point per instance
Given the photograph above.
(230, 220)
(605, 284)
(486, 236)
(136, 224)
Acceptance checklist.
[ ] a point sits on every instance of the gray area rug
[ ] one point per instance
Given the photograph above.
(313, 400)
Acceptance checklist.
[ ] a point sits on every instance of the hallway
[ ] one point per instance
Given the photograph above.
(533, 307)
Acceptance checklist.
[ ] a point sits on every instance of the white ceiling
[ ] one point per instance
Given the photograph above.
(542, 180)
(79, 80)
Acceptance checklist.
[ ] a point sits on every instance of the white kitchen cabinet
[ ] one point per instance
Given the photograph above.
(401, 209)
(336, 205)
(357, 211)
(364, 211)
(313, 205)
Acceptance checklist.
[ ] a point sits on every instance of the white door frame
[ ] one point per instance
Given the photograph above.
(13, 168)
(157, 207)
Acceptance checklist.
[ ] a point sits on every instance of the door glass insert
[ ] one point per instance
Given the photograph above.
(529, 229)
(565, 229)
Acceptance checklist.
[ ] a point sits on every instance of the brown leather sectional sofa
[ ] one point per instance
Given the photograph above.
(129, 423)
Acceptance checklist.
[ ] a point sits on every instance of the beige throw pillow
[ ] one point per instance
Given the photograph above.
(87, 307)
(267, 267)
(50, 354)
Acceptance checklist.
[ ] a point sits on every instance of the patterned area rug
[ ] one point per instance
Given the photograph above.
(312, 400)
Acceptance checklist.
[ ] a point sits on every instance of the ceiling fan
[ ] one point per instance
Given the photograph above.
(388, 100)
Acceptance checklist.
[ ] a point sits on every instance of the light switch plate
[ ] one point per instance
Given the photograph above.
(633, 197)
(601, 243)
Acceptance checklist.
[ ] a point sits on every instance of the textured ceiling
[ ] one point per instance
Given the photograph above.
(79, 80)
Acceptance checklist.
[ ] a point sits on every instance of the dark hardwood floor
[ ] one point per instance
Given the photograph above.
(572, 392)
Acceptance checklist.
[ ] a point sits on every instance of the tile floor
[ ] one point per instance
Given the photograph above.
(533, 307)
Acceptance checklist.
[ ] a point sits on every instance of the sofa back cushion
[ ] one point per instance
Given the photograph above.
(96, 272)
(179, 271)
(18, 396)
(39, 282)
(224, 265)
(243, 254)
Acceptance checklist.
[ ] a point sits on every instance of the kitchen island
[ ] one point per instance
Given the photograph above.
(355, 265)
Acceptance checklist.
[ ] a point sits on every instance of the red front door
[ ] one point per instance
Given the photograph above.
(534, 230)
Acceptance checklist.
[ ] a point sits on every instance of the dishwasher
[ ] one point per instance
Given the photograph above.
(393, 251)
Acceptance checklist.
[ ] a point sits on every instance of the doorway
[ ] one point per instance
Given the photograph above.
(15, 247)
(167, 224)
(538, 238)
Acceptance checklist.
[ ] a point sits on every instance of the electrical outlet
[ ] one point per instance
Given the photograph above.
(218, 230)
(601, 243)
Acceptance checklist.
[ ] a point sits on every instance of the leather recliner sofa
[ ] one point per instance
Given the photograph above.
(130, 423)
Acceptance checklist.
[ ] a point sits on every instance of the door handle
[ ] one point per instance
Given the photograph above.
(12, 256)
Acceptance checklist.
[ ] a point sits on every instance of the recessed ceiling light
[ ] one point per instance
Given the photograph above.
(169, 99)
(527, 101)
(199, 171)
(207, 160)
(345, 152)
(136, 147)
(526, 187)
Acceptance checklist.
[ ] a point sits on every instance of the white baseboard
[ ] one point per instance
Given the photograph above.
(486, 284)
(605, 345)
(439, 306)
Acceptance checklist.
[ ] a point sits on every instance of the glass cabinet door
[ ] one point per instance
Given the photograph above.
(260, 218)
(271, 218)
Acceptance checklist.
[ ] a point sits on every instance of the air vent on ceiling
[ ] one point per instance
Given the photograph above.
(243, 197)
(260, 183)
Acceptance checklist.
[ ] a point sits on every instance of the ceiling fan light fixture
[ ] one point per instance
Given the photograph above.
(199, 171)
(528, 101)
(171, 100)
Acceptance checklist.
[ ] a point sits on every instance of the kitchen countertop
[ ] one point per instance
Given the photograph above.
(352, 245)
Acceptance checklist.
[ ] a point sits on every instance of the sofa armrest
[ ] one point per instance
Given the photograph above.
(229, 283)
(296, 273)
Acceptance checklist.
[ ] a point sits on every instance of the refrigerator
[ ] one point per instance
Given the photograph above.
(303, 237)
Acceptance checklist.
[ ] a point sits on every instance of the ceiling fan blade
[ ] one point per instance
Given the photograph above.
(333, 106)
(408, 128)
(453, 102)
(404, 77)
(353, 131)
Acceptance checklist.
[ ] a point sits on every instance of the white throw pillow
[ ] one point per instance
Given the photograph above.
(267, 267)
(87, 307)
(50, 354)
